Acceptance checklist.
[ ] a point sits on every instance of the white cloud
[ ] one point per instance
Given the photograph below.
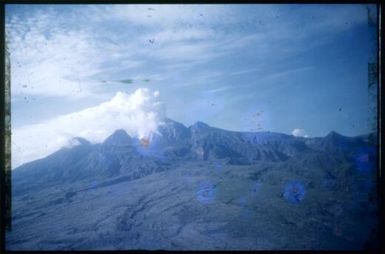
(49, 61)
(299, 133)
(138, 113)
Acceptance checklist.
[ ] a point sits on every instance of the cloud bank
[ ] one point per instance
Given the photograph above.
(299, 133)
(138, 113)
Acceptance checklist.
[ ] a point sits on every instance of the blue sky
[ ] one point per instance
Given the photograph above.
(240, 67)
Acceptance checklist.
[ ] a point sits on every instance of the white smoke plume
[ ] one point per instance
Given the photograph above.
(299, 133)
(139, 114)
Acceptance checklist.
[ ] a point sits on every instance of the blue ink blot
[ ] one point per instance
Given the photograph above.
(294, 192)
(188, 177)
(219, 166)
(92, 185)
(206, 192)
(242, 201)
(364, 159)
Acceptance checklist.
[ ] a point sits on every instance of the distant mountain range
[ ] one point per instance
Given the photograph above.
(121, 154)
(269, 158)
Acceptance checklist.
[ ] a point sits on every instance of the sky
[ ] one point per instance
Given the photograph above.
(86, 70)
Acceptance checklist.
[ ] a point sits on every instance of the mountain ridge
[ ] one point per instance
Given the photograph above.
(119, 154)
(173, 131)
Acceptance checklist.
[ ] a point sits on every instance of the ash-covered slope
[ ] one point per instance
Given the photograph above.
(199, 187)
